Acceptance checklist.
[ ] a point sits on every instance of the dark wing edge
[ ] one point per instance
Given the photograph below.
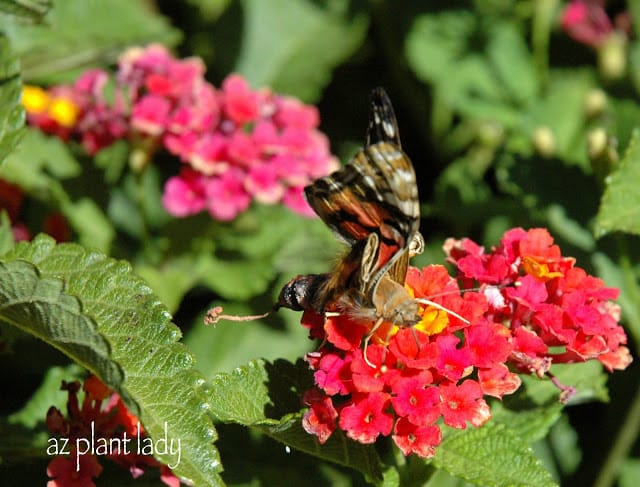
(383, 125)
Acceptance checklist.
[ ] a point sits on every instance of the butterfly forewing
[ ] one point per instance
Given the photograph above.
(383, 126)
(372, 205)
(375, 193)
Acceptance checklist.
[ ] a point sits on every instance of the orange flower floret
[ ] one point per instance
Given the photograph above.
(538, 269)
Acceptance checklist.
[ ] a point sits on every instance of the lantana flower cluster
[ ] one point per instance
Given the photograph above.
(524, 305)
(101, 419)
(236, 145)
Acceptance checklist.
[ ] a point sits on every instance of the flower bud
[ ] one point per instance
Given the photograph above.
(490, 134)
(602, 151)
(544, 141)
(595, 103)
(612, 56)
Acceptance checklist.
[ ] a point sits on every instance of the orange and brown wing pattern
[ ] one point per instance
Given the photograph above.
(375, 193)
(372, 205)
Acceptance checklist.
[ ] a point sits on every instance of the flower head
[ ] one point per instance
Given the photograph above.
(100, 415)
(238, 145)
(520, 307)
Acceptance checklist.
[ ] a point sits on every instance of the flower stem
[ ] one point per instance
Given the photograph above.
(622, 445)
(543, 17)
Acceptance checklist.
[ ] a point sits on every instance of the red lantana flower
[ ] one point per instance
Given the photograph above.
(519, 308)
(401, 395)
(544, 301)
(101, 415)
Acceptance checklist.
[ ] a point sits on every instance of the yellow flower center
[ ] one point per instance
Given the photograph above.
(64, 111)
(35, 99)
(433, 321)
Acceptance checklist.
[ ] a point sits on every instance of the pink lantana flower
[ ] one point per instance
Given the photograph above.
(269, 144)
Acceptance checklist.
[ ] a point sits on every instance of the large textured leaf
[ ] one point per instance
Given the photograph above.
(80, 33)
(293, 45)
(491, 455)
(267, 397)
(529, 425)
(95, 310)
(620, 205)
(11, 110)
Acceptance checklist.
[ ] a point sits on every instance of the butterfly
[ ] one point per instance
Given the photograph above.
(372, 205)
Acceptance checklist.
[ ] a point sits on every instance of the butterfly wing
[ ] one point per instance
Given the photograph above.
(371, 204)
(383, 125)
(376, 193)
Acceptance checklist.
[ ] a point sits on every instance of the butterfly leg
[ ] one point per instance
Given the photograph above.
(368, 338)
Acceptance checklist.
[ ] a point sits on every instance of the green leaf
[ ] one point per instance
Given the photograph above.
(510, 56)
(529, 425)
(491, 455)
(11, 111)
(442, 50)
(437, 42)
(39, 161)
(267, 396)
(97, 312)
(25, 10)
(81, 34)
(259, 392)
(564, 442)
(87, 219)
(620, 205)
(172, 279)
(561, 110)
(6, 235)
(41, 307)
(629, 472)
(45, 169)
(625, 114)
(588, 378)
(625, 280)
(293, 45)
(540, 184)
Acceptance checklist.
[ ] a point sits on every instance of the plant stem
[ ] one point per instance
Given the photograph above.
(543, 15)
(624, 441)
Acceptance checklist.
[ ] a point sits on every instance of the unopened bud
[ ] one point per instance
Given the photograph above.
(602, 151)
(490, 134)
(595, 103)
(544, 141)
(612, 56)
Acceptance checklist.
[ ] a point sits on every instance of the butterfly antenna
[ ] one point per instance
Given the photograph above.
(383, 126)
(428, 302)
(477, 288)
(214, 315)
